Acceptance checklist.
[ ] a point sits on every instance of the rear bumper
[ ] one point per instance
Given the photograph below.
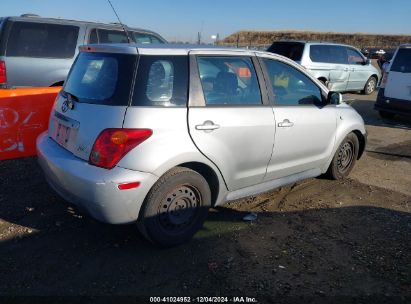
(91, 188)
(392, 105)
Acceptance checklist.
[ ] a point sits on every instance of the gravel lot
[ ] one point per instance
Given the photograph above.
(315, 241)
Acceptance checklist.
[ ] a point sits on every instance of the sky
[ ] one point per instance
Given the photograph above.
(181, 20)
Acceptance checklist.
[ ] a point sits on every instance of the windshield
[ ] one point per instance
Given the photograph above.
(292, 50)
(402, 61)
(101, 78)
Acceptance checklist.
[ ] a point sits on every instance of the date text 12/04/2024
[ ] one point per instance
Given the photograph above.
(203, 300)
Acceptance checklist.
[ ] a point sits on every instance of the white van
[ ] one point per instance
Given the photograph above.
(394, 96)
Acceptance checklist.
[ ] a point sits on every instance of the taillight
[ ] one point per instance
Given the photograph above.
(384, 80)
(113, 144)
(3, 75)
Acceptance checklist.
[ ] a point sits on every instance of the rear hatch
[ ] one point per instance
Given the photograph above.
(292, 50)
(95, 97)
(399, 76)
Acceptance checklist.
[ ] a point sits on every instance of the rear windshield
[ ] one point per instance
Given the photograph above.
(402, 61)
(101, 78)
(292, 50)
(29, 39)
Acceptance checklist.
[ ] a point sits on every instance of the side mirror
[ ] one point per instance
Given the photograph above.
(367, 62)
(334, 98)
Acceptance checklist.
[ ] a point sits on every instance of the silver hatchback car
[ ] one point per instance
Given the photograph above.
(158, 135)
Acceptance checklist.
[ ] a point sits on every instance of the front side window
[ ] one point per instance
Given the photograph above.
(354, 57)
(290, 86)
(229, 80)
(29, 39)
(161, 81)
(101, 78)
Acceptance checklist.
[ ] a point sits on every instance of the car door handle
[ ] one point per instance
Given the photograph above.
(346, 69)
(208, 125)
(285, 124)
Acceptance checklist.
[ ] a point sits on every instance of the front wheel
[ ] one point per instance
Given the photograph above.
(370, 86)
(175, 208)
(344, 158)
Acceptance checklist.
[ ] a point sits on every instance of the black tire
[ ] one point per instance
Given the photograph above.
(370, 86)
(344, 158)
(387, 115)
(175, 208)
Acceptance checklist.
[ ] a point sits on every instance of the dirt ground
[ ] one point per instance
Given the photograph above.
(315, 241)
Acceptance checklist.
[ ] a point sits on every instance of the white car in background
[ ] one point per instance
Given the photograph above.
(394, 96)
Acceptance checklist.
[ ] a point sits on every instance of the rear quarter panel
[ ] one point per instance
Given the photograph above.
(169, 146)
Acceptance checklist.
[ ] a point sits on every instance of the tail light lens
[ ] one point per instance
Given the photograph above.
(113, 144)
(384, 80)
(3, 75)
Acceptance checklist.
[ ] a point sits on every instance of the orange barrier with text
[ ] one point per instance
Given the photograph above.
(24, 114)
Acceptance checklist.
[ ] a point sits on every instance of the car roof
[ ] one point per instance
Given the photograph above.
(313, 42)
(405, 45)
(159, 49)
(35, 18)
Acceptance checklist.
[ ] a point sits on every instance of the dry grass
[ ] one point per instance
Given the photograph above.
(359, 40)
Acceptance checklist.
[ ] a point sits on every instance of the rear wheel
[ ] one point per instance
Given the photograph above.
(370, 86)
(344, 158)
(388, 115)
(175, 208)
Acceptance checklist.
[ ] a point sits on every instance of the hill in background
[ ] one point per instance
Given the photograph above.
(359, 40)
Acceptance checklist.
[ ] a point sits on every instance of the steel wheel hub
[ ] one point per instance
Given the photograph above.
(179, 207)
(371, 86)
(346, 156)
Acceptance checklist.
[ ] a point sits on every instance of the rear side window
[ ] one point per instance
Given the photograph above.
(161, 81)
(29, 39)
(101, 78)
(328, 54)
(402, 61)
(111, 36)
(292, 50)
(145, 38)
(229, 81)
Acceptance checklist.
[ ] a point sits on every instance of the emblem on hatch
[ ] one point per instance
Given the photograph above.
(64, 106)
(67, 104)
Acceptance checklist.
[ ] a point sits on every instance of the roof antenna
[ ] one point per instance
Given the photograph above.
(122, 25)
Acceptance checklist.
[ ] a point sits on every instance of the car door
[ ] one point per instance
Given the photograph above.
(305, 126)
(359, 72)
(330, 61)
(230, 120)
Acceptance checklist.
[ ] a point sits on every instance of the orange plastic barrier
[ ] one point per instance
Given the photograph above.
(24, 114)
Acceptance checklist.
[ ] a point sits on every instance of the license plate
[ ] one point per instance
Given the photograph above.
(62, 134)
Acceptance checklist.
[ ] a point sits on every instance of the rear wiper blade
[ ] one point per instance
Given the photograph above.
(69, 96)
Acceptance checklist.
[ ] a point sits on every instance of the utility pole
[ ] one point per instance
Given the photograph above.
(198, 38)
